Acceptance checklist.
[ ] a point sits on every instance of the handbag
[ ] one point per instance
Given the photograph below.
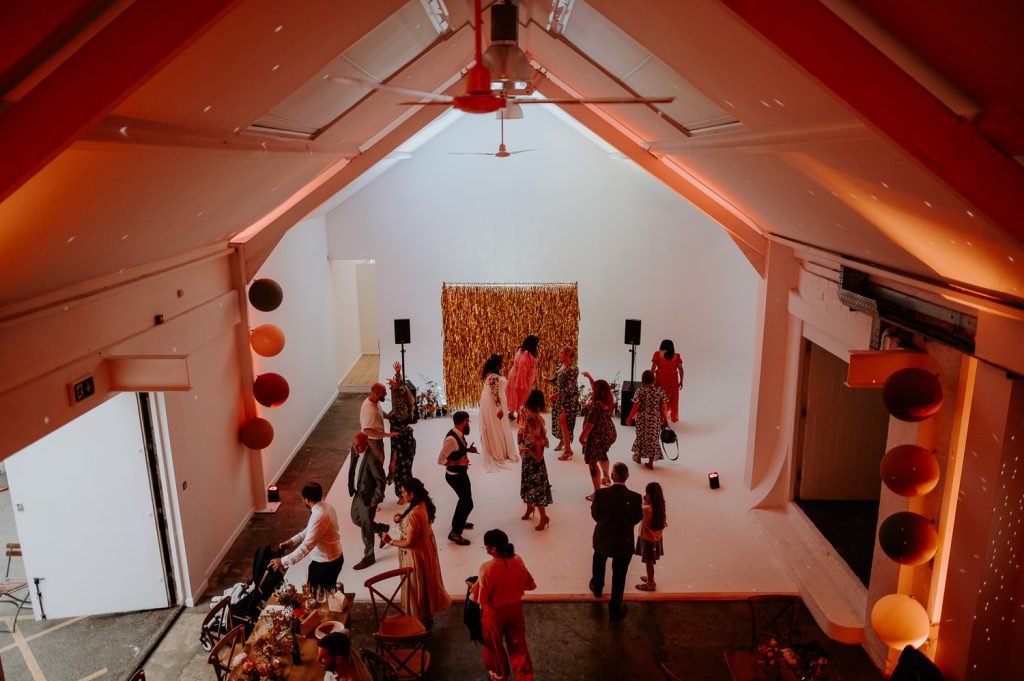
(668, 436)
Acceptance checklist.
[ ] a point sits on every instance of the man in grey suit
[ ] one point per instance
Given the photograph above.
(367, 489)
(617, 510)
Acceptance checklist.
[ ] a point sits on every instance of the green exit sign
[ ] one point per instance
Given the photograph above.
(82, 389)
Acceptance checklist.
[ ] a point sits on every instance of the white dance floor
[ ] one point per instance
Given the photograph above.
(713, 546)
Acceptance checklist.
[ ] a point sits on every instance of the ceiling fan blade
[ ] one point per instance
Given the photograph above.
(432, 103)
(523, 151)
(598, 100)
(470, 153)
(346, 80)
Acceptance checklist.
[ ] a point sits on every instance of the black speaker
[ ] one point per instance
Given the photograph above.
(402, 334)
(632, 332)
(626, 398)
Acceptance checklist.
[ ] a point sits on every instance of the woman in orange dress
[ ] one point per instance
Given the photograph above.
(499, 592)
(668, 375)
(522, 375)
(423, 594)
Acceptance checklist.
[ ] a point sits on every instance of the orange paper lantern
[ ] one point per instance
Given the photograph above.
(270, 390)
(912, 394)
(908, 538)
(910, 470)
(257, 433)
(265, 295)
(900, 621)
(267, 340)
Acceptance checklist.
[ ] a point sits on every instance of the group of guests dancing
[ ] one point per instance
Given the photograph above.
(503, 579)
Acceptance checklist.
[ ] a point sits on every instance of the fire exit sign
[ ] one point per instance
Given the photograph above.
(82, 389)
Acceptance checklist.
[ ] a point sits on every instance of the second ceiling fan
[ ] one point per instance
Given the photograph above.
(479, 97)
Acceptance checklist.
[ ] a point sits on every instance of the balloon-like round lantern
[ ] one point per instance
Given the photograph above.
(265, 295)
(900, 621)
(267, 340)
(270, 390)
(257, 433)
(908, 538)
(912, 394)
(910, 470)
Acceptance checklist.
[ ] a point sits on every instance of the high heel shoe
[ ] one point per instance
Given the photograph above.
(528, 514)
(566, 456)
(545, 521)
(606, 481)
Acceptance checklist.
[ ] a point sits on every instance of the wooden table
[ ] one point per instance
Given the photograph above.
(744, 666)
(307, 669)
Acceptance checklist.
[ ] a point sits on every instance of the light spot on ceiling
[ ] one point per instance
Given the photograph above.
(207, 108)
(278, 29)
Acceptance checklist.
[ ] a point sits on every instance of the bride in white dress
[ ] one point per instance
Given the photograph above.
(496, 441)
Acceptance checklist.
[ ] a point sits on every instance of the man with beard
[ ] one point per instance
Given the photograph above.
(455, 458)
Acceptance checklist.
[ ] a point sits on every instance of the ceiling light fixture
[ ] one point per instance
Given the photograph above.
(506, 62)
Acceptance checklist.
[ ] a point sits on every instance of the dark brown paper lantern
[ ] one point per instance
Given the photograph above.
(912, 394)
(265, 295)
(270, 390)
(257, 433)
(267, 340)
(908, 538)
(910, 470)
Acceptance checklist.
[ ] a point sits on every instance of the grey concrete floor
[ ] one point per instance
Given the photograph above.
(568, 640)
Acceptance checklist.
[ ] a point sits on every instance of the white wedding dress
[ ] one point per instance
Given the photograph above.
(498, 446)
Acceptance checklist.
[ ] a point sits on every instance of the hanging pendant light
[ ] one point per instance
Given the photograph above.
(506, 62)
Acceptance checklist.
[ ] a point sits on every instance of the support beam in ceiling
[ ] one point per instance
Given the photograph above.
(255, 249)
(886, 97)
(71, 99)
(750, 241)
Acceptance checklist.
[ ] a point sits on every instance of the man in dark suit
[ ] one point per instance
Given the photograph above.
(366, 485)
(616, 510)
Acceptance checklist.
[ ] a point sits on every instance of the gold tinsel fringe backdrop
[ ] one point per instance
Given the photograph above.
(480, 319)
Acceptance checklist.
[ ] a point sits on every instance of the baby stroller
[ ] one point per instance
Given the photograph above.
(248, 600)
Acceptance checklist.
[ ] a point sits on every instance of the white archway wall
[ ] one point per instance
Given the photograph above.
(567, 212)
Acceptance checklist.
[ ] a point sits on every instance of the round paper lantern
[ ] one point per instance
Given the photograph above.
(910, 470)
(267, 340)
(908, 538)
(270, 390)
(912, 394)
(257, 433)
(900, 621)
(265, 295)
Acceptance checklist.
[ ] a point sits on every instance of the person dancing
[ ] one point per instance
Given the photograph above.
(565, 403)
(498, 446)
(522, 375)
(598, 432)
(534, 489)
(423, 594)
(400, 418)
(650, 411)
(499, 590)
(668, 375)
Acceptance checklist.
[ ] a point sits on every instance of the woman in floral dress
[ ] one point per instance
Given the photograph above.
(400, 418)
(522, 375)
(650, 412)
(565, 403)
(598, 432)
(534, 489)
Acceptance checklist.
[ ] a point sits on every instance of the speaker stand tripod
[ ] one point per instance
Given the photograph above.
(632, 363)
(403, 362)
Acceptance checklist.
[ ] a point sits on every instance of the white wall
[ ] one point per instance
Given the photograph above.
(347, 333)
(370, 322)
(567, 212)
(309, 361)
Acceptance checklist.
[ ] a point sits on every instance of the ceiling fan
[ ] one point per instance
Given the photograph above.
(502, 151)
(479, 98)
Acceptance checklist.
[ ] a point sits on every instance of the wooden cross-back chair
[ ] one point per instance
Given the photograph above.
(224, 651)
(216, 624)
(401, 638)
(379, 666)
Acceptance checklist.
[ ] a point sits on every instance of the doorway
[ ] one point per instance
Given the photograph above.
(840, 443)
(88, 513)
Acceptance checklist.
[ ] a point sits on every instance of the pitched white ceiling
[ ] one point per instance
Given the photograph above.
(176, 166)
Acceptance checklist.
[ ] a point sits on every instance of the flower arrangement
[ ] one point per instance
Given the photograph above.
(266, 658)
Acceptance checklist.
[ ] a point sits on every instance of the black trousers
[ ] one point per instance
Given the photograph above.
(324, 575)
(620, 565)
(460, 483)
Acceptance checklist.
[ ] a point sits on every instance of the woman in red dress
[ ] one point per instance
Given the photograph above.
(668, 375)
(522, 375)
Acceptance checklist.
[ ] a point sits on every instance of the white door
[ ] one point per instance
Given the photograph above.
(83, 505)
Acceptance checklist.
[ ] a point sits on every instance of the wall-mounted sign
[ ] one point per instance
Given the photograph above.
(81, 389)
